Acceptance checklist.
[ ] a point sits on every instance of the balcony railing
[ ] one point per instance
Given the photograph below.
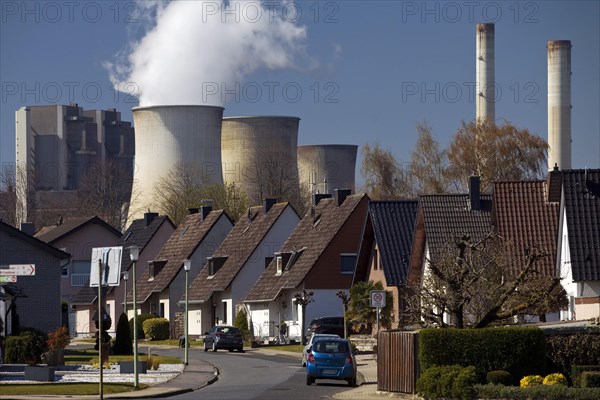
(80, 279)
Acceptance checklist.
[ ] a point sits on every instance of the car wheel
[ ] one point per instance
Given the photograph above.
(205, 346)
(214, 346)
(241, 349)
(352, 382)
(230, 350)
(309, 380)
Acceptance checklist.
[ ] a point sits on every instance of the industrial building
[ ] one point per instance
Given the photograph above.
(326, 167)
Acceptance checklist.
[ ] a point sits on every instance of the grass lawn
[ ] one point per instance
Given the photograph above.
(294, 348)
(90, 356)
(67, 389)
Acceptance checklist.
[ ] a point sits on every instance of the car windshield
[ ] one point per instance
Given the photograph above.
(330, 347)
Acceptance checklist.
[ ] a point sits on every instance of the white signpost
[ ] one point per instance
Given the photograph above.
(8, 278)
(377, 300)
(18, 269)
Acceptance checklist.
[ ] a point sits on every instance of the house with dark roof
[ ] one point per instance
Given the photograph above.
(385, 249)
(162, 285)
(579, 241)
(33, 300)
(216, 294)
(319, 257)
(525, 218)
(443, 218)
(149, 234)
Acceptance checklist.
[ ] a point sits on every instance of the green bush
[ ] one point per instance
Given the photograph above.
(518, 350)
(554, 392)
(449, 381)
(27, 348)
(590, 379)
(140, 325)
(241, 322)
(499, 377)
(577, 370)
(157, 328)
(123, 342)
(566, 350)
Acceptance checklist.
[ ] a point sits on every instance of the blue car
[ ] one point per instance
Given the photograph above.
(331, 358)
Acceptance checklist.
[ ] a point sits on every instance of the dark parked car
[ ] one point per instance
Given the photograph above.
(331, 359)
(224, 337)
(331, 325)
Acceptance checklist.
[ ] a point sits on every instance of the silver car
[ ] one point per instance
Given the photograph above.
(314, 337)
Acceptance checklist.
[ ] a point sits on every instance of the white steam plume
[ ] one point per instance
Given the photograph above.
(195, 45)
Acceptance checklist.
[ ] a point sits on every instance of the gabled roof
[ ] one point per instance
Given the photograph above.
(17, 234)
(393, 226)
(524, 218)
(581, 193)
(309, 240)
(53, 233)
(139, 234)
(238, 246)
(181, 245)
(448, 216)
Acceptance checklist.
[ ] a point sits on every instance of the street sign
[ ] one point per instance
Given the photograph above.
(377, 298)
(18, 269)
(111, 263)
(8, 278)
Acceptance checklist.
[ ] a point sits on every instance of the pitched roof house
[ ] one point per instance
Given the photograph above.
(319, 256)
(237, 264)
(161, 286)
(34, 298)
(148, 233)
(579, 241)
(386, 247)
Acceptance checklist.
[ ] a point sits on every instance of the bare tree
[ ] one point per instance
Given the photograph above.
(18, 195)
(476, 283)
(384, 178)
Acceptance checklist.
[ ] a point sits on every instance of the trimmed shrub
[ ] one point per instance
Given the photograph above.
(449, 381)
(518, 350)
(590, 379)
(555, 379)
(241, 322)
(499, 377)
(577, 370)
(554, 392)
(27, 348)
(140, 318)
(531, 380)
(123, 342)
(566, 350)
(157, 328)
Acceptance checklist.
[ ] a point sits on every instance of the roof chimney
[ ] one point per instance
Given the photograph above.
(340, 195)
(205, 210)
(474, 193)
(192, 210)
(28, 228)
(317, 197)
(268, 203)
(148, 217)
(554, 185)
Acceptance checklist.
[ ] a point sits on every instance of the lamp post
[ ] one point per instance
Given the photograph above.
(125, 278)
(187, 265)
(134, 253)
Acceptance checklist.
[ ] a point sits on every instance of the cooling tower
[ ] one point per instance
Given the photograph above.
(559, 104)
(327, 167)
(485, 75)
(167, 136)
(259, 155)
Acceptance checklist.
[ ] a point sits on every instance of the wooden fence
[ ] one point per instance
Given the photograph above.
(397, 361)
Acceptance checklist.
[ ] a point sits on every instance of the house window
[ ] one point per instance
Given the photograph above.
(279, 265)
(375, 259)
(211, 267)
(347, 263)
(161, 310)
(64, 271)
(224, 312)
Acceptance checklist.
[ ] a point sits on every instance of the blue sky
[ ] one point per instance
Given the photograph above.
(354, 76)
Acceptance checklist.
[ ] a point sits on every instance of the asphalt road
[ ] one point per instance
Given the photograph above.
(258, 376)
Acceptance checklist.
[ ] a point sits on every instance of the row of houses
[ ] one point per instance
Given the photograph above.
(271, 255)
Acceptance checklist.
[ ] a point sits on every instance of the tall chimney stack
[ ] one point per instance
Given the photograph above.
(559, 104)
(485, 89)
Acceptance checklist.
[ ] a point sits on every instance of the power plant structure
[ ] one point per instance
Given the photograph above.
(171, 136)
(559, 104)
(485, 83)
(259, 155)
(326, 167)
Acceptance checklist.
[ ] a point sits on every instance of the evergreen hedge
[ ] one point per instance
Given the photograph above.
(518, 350)
(590, 379)
(449, 381)
(546, 392)
(141, 318)
(26, 348)
(157, 328)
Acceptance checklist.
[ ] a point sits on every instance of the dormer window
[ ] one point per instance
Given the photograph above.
(279, 265)
(214, 264)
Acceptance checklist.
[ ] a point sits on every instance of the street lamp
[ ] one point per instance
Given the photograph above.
(134, 253)
(125, 278)
(187, 265)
